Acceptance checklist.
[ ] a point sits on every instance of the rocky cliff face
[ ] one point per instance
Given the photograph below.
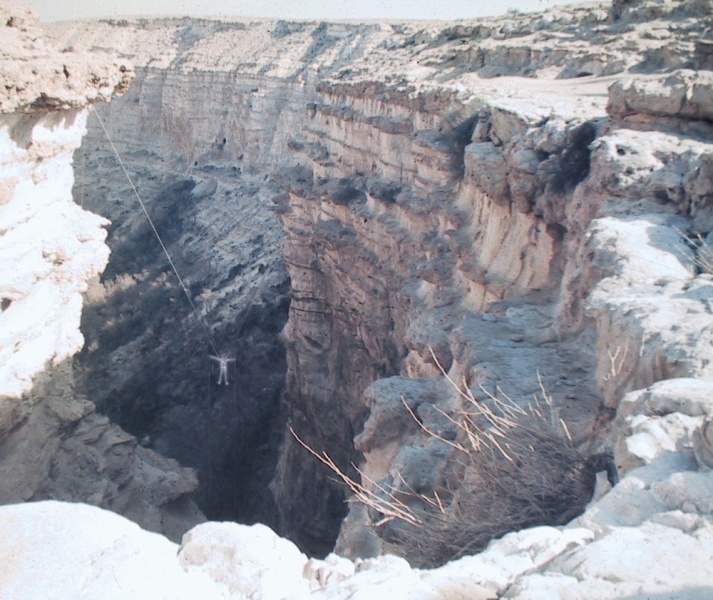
(213, 132)
(44, 104)
(52, 443)
(514, 195)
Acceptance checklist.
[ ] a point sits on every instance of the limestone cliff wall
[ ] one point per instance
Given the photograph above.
(44, 106)
(43, 282)
(475, 189)
(479, 222)
(453, 217)
(215, 120)
(52, 443)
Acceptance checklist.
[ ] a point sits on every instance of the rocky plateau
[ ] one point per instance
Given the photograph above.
(359, 213)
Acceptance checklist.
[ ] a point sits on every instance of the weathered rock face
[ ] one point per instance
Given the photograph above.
(117, 557)
(52, 443)
(526, 229)
(44, 107)
(38, 80)
(213, 132)
(42, 285)
(433, 243)
(147, 361)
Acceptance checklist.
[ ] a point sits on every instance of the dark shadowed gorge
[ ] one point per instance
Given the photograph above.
(341, 201)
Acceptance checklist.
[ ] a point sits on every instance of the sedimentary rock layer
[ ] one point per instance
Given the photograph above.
(471, 190)
(53, 444)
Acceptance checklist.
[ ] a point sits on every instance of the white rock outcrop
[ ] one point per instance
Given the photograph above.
(49, 247)
(53, 444)
(100, 555)
(37, 79)
(235, 556)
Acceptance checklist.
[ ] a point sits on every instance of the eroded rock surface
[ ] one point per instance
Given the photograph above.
(37, 79)
(102, 555)
(544, 221)
(52, 443)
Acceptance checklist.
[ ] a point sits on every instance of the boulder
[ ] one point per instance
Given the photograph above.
(75, 551)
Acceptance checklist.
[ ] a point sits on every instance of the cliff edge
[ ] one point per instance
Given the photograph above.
(53, 443)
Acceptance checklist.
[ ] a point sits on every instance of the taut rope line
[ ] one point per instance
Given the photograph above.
(158, 237)
(209, 474)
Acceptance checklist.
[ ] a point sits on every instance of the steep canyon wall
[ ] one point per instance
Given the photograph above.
(53, 444)
(211, 206)
(475, 190)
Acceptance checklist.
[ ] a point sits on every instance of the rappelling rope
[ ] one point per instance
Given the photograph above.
(158, 237)
(235, 439)
(209, 432)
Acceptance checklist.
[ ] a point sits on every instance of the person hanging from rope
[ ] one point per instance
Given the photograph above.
(222, 361)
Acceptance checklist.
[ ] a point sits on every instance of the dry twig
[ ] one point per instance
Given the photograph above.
(516, 467)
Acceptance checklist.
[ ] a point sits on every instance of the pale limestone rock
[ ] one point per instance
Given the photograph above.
(545, 585)
(684, 94)
(660, 420)
(629, 504)
(646, 283)
(692, 397)
(640, 517)
(636, 164)
(489, 573)
(332, 570)
(703, 444)
(688, 492)
(37, 79)
(385, 576)
(49, 249)
(654, 570)
(250, 562)
(659, 512)
(640, 248)
(73, 551)
(653, 436)
(644, 336)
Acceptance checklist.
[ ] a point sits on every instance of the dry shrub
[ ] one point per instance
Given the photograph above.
(702, 251)
(510, 468)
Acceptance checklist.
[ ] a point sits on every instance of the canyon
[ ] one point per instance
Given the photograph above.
(360, 213)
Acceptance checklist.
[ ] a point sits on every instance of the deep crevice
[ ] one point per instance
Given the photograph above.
(146, 359)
